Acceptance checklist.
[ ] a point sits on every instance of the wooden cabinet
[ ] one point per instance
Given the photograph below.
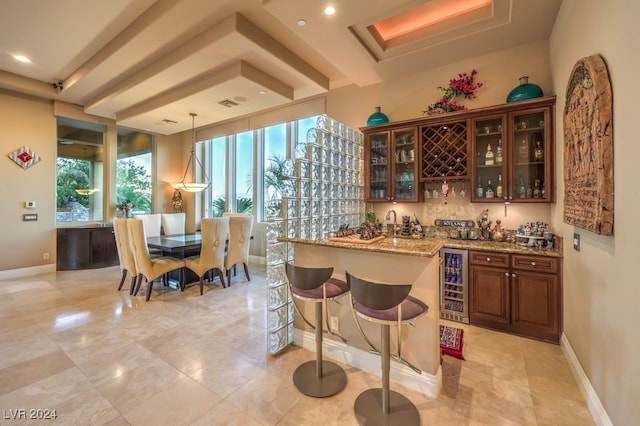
(513, 151)
(516, 293)
(454, 146)
(86, 248)
(391, 169)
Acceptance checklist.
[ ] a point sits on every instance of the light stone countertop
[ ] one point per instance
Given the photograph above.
(429, 247)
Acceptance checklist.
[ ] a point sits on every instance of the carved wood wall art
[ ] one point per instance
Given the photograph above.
(588, 147)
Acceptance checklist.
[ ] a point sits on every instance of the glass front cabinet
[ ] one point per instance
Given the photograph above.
(512, 155)
(391, 172)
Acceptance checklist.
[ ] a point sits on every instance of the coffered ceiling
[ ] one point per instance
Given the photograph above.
(148, 63)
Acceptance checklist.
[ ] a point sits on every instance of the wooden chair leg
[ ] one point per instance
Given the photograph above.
(201, 286)
(149, 289)
(221, 275)
(246, 271)
(229, 276)
(138, 284)
(124, 275)
(132, 287)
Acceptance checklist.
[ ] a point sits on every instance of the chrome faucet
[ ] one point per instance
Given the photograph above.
(395, 220)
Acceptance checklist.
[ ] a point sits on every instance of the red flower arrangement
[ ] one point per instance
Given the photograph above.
(464, 86)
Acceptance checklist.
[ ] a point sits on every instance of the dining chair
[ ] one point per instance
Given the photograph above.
(238, 248)
(148, 267)
(214, 233)
(173, 223)
(152, 228)
(125, 255)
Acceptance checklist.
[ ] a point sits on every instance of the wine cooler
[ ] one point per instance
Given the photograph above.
(454, 293)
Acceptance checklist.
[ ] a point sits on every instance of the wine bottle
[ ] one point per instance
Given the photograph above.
(499, 188)
(479, 188)
(499, 152)
(522, 190)
(538, 152)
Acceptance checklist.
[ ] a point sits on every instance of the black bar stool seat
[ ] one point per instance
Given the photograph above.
(319, 378)
(385, 304)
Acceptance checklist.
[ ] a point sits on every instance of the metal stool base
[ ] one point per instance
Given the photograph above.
(368, 409)
(333, 379)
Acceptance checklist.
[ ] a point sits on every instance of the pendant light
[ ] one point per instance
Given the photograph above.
(192, 186)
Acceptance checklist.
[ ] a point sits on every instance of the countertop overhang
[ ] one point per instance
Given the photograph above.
(430, 247)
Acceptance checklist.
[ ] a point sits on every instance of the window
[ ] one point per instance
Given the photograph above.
(133, 172)
(80, 169)
(265, 150)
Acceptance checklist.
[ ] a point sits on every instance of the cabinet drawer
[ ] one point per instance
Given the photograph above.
(489, 258)
(535, 263)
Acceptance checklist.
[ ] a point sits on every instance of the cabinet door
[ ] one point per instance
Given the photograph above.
(535, 304)
(405, 170)
(490, 297)
(104, 251)
(377, 167)
(489, 150)
(531, 152)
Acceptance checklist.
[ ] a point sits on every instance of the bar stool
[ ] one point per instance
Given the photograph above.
(384, 304)
(319, 378)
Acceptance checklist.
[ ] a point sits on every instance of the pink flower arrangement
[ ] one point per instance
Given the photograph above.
(464, 86)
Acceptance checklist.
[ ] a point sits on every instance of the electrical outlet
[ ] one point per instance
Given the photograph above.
(335, 323)
(576, 241)
(45, 256)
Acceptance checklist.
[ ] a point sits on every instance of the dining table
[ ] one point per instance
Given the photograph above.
(179, 246)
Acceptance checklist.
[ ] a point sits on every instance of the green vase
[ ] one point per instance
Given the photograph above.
(377, 118)
(524, 91)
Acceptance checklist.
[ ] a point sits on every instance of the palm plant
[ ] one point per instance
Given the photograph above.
(274, 177)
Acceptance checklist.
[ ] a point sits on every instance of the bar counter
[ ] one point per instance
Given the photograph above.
(397, 260)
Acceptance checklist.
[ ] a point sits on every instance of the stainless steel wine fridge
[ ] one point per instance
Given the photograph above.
(454, 285)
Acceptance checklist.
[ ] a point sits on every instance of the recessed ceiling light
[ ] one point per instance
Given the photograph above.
(302, 22)
(329, 10)
(21, 58)
(263, 92)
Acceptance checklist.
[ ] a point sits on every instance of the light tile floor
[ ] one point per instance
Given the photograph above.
(70, 342)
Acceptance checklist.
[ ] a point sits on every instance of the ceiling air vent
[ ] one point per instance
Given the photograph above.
(166, 120)
(228, 103)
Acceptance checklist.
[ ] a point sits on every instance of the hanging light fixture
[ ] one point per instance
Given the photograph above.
(87, 191)
(193, 160)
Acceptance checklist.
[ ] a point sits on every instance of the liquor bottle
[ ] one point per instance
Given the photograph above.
(538, 152)
(522, 190)
(499, 152)
(479, 188)
(543, 194)
(489, 192)
(488, 157)
(499, 188)
(524, 151)
(537, 189)
(529, 189)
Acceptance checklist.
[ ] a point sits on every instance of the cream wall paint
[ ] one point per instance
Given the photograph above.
(601, 285)
(27, 122)
(499, 73)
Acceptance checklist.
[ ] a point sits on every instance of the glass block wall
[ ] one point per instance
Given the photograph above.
(323, 189)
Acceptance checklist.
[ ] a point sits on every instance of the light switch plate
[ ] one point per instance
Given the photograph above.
(576, 241)
(31, 217)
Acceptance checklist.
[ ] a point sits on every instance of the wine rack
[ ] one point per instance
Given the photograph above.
(444, 151)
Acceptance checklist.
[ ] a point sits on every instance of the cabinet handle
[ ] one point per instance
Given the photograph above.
(533, 263)
(506, 274)
(488, 259)
(513, 275)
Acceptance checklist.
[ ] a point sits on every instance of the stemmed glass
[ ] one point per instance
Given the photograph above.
(463, 191)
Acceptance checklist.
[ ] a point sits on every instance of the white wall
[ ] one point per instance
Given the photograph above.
(601, 284)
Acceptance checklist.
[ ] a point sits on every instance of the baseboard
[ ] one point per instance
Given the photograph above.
(25, 272)
(596, 408)
(425, 383)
